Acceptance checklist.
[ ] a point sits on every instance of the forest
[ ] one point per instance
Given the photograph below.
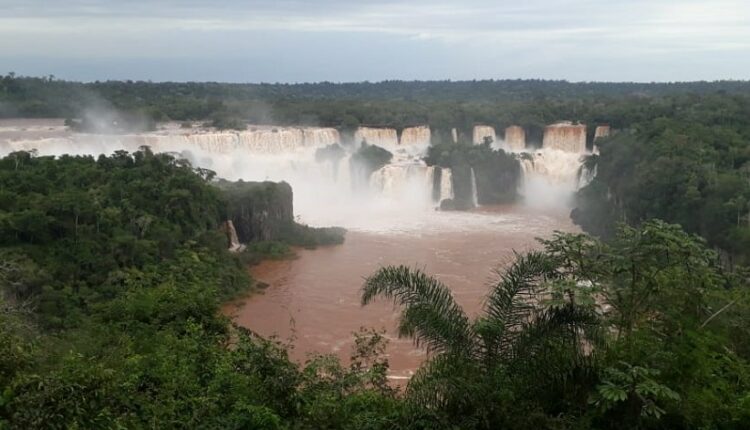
(113, 269)
(440, 104)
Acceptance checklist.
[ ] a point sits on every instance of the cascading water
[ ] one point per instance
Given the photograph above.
(481, 132)
(329, 192)
(474, 194)
(234, 241)
(446, 184)
(550, 177)
(326, 191)
(585, 176)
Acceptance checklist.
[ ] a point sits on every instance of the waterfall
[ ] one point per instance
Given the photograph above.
(234, 241)
(550, 177)
(515, 138)
(600, 132)
(446, 184)
(406, 182)
(415, 136)
(376, 136)
(325, 192)
(565, 136)
(482, 131)
(258, 140)
(474, 197)
(585, 176)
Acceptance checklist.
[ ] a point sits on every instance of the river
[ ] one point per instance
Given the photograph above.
(314, 299)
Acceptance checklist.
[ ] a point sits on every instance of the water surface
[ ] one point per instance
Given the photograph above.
(315, 298)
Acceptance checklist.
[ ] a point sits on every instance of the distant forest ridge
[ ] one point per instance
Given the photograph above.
(440, 104)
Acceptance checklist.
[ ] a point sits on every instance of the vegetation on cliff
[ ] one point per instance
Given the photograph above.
(263, 211)
(497, 173)
(691, 167)
(366, 160)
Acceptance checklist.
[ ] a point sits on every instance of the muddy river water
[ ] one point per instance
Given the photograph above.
(315, 298)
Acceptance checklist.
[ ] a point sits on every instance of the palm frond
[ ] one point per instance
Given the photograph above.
(557, 343)
(445, 382)
(511, 301)
(430, 315)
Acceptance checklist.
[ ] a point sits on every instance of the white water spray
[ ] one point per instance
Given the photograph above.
(325, 193)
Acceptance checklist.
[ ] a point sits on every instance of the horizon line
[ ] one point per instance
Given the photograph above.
(383, 81)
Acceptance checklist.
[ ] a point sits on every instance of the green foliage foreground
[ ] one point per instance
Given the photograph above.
(113, 273)
(646, 331)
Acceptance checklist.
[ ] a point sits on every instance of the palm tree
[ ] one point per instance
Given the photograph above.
(522, 337)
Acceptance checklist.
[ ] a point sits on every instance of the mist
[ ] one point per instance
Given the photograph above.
(399, 197)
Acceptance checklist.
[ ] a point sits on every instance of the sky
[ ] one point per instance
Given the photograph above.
(358, 40)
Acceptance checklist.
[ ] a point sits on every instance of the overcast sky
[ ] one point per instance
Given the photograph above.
(355, 40)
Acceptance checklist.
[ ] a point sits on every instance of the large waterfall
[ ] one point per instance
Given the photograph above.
(325, 190)
(550, 176)
(259, 140)
(565, 136)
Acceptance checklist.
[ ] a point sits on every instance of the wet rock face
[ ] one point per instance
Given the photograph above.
(376, 136)
(565, 136)
(415, 135)
(259, 210)
(482, 131)
(515, 138)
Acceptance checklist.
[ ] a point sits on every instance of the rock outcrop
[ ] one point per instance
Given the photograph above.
(259, 210)
(482, 131)
(515, 138)
(565, 136)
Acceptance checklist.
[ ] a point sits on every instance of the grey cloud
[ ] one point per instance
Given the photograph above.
(342, 40)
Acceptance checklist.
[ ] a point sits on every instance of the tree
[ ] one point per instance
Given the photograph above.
(579, 323)
(518, 341)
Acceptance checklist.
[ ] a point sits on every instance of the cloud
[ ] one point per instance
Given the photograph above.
(542, 33)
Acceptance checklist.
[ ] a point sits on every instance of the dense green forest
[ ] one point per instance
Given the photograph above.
(440, 104)
(113, 269)
(689, 166)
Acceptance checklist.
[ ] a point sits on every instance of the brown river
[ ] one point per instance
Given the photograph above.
(314, 299)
